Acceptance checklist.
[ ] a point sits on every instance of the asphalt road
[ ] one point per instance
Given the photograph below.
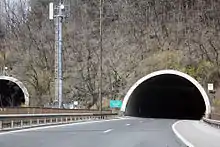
(133, 132)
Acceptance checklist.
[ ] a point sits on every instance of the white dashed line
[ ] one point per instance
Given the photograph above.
(109, 130)
(128, 124)
(141, 121)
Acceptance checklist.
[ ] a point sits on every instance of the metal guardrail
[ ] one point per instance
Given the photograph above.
(212, 122)
(22, 121)
(39, 110)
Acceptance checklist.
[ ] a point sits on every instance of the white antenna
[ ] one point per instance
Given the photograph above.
(51, 10)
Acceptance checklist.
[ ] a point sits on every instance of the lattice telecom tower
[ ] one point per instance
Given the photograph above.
(58, 14)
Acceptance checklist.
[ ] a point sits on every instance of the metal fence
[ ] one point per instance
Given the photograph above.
(21, 121)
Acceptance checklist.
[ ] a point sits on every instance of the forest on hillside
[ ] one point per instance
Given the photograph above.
(139, 37)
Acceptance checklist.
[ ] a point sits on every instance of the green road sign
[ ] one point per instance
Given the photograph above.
(115, 103)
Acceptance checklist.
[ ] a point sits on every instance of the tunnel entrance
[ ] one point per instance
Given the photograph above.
(166, 95)
(12, 93)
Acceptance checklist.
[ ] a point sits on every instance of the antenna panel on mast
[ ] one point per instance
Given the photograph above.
(51, 11)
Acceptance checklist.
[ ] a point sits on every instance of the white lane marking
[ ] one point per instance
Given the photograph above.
(109, 130)
(180, 136)
(128, 124)
(141, 121)
(57, 126)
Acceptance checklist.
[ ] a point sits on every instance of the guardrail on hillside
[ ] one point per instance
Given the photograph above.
(21, 121)
(214, 120)
(38, 110)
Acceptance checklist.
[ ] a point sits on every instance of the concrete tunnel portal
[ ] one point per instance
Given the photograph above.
(167, 94)
(12, 92)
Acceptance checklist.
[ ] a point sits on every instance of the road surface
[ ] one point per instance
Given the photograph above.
(132, 132)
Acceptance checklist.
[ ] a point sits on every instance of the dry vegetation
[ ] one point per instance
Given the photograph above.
(139, 37)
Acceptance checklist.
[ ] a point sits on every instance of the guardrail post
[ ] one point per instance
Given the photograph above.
(51, 120)
(30, 121)
(0, 125)
(12, 124)
(61, 120)
(21, 123)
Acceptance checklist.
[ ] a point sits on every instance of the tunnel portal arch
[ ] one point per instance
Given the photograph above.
(168, 72)
(20, 85)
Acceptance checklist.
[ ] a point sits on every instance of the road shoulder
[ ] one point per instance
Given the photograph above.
(196, 133)
(181, 137)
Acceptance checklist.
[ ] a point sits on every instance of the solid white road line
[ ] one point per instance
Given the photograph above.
(57, 126)
(128, 124)
(188, 144)
(109, 130)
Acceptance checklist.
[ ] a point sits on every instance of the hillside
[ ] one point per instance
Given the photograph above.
(138, 37)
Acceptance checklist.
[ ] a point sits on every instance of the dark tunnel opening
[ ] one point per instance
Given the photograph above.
(166, 96)
(11, 95)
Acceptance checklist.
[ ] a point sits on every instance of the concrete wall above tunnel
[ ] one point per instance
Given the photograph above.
(20, 85)
(164, 78)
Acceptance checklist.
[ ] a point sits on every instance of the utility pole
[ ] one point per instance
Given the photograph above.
(59, 17)
(101, 50)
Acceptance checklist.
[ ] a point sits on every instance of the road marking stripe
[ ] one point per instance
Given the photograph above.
(57, 126)
(128, 124)
(188, 144)
(109, 130)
